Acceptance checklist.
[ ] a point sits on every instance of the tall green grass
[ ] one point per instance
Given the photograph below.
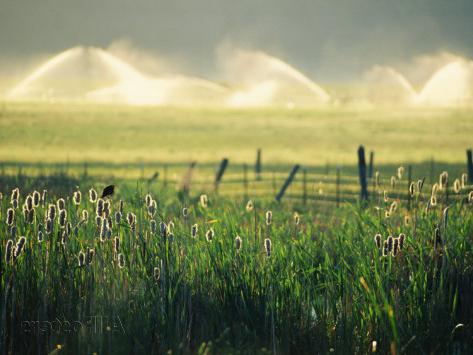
(324, 288)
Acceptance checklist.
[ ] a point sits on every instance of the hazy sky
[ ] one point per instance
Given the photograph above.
(327, 39)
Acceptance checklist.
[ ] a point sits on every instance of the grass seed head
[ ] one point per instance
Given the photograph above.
(185, 212)
(15, 194)
(36, 198)
(61, 204)
(120, 208)
(433, 200)
(10, 216)
(400, 172)
(30, 216)
(209, 235)
(49, 226)
(43, 197)
(14, 204)
(19, 247)
(464, 180)
(443, 180)
(121, 261)
(238, 243)
(163, 228)
(29, 202)
(116, 244)
(412, 189)
(204, 201)
(40, 236)
(153, 225)
(52, 211)
(402, 238)
(267, 247)
(395, 246)
(92, 195)
(62, 218)
(297, 219)
(77, 197)
(81, 259)
(85, 215)
(377, 240)
(194, 230)
(269, 217)
(390, 243)
(100, 205)
(8, 251)
(420, 185)
(148, 200)
(90, 256)
(249, 206)
(457, 186)
(118, 217)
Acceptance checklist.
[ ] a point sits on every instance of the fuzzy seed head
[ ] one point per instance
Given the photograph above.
(36, 198)
(194, 230)
(121, 261)
(153, 225)
(238, 243)
(10, 216)
(81, 259)
(9, 251)
(209, 235)
(61, 204)
(269, 217)
(52, 211)
(156, 273)
(377, 240)
(77, 197)
(92, 195)
(249, 206)
(204, 201)
(457, 186)
(267, 247)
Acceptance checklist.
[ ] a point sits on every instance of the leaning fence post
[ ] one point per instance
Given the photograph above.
(258, 164)
(337, 188)
(469, 165)
(287, 182)
(362, 170)
(370, 169)
(220, 172)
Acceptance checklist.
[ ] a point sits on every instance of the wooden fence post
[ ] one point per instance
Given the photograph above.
(220, 172)
(337, 188)
(258, 164)
(370, 169)
(287, 182)
(362, 171)
(469, 165)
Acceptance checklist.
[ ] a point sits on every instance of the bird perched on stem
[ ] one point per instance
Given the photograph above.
(108, 191)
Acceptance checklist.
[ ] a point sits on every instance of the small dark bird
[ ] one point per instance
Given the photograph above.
(108, 191)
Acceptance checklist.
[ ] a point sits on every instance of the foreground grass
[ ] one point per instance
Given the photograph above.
(324, 286)
(60, 132)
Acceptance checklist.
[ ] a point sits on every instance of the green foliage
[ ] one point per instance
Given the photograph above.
(325, 285)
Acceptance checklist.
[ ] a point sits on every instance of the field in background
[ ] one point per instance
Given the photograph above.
(78, 133)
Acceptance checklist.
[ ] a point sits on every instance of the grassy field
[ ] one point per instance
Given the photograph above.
(306, 284)
(311, 279)
(60, 132)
